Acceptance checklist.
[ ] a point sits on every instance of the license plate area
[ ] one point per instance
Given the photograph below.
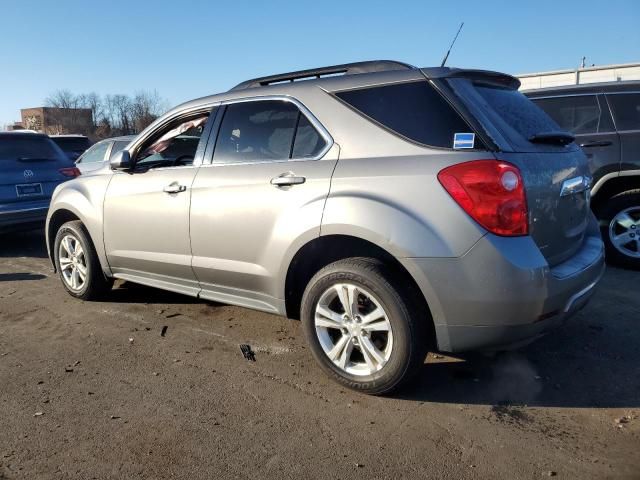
(29, 189)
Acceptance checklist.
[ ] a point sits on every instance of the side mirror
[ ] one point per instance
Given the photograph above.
(120, 161)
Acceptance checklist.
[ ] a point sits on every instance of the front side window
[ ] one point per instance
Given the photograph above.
(578, 115)
(626, 110)
(174, 146)
(414, 110)
(94, 154)
(266, 131)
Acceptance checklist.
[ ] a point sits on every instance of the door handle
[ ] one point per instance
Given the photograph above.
(287, 179)
(174, 187)
(603, 143)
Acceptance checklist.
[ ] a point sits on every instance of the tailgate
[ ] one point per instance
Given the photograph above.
(554, 170)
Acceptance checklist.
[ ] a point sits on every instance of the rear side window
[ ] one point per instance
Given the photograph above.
(626, 110)
(95, 154)
(578, 114)
(264, 131)
(117, 147)
(414, 110)
(27, 147)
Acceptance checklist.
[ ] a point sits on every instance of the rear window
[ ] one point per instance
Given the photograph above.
(509, 117)
(626, 110)
(27, 147)
(72, 144)
(414, 110)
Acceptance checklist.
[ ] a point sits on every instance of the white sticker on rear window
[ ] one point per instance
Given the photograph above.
(464, 140)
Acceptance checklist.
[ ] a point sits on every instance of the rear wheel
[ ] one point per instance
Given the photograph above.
(361, 329)
(77, 263)
(621, 229)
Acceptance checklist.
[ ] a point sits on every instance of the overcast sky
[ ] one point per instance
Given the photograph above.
(187, 49)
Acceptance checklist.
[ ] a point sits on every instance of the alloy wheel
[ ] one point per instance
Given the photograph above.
(624, 232)
(73, 263)
(353, 329)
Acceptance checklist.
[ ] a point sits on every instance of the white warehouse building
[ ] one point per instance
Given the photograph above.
(604, 73)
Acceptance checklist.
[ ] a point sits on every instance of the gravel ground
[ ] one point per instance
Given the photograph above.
(94, 390)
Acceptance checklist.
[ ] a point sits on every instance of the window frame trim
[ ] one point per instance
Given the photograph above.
(322, 131)
(602, 112)
(612, 110)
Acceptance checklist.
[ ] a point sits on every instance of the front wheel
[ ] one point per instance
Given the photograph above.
(621, 232)
(362, 330)
(77, 263)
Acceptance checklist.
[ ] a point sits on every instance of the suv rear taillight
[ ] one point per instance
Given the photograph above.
(70, 171)
(491, 192)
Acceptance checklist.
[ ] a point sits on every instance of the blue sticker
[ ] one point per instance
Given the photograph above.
(464, 140)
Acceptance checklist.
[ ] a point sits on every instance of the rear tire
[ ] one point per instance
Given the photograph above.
(373, 347)
(77, 263)
(620, 229)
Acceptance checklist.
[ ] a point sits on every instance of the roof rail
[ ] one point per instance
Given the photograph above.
(345, 69)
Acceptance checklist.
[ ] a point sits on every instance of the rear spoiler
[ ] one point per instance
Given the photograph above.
(483, 76)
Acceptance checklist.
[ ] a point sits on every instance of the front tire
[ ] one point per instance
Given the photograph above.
(621, 229)
(362, 329)
(77, 263)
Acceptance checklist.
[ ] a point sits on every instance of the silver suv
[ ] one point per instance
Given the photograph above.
(390, 208)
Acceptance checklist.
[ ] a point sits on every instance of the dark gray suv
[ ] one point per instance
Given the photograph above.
(605, 118)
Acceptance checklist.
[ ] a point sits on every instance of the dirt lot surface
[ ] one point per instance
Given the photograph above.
(93, 390)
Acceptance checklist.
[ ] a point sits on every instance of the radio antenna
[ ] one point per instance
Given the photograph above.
(444, 60)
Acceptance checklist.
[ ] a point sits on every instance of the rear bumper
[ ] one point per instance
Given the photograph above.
(22, 216)
(503, 293)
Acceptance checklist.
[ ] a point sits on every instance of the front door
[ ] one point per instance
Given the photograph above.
(263, 193)
(146, 210)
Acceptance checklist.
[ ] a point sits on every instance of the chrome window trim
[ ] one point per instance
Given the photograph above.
(324, 133)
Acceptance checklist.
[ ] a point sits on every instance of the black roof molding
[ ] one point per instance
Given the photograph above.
(314, 73)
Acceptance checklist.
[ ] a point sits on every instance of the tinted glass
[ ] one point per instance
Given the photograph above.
(72, 144)
(256, 131)
(516, 110)
(117, 147)
(308, 142)
(28, 147)
(626, 110)
(580, 114)
(95, 153)
(414, 110)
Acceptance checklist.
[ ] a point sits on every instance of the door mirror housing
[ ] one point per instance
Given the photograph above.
(121, 161)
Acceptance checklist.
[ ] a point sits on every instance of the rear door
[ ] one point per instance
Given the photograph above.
(555, 175)
(30, 167)
(589, 119)
(265, 189)
(626, 112)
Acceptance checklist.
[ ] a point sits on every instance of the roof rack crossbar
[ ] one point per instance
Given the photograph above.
(346, 69)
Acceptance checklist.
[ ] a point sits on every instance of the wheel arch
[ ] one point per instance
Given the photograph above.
(610, 187)
(326, 249)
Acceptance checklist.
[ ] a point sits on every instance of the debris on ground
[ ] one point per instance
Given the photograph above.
(622, 421)
(130, 339)
(164, 331)
(247, 352)
(68, 369)
(114, 417)
(171, 315)
(38, 414)
(76, 363)
(551, 473)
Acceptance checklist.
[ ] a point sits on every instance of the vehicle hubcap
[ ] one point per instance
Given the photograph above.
(353, 329)
(624, 232)
(73, 263)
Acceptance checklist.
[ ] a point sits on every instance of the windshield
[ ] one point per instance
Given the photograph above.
(27, 147)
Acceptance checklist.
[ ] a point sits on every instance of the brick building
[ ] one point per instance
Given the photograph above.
(54, 121)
